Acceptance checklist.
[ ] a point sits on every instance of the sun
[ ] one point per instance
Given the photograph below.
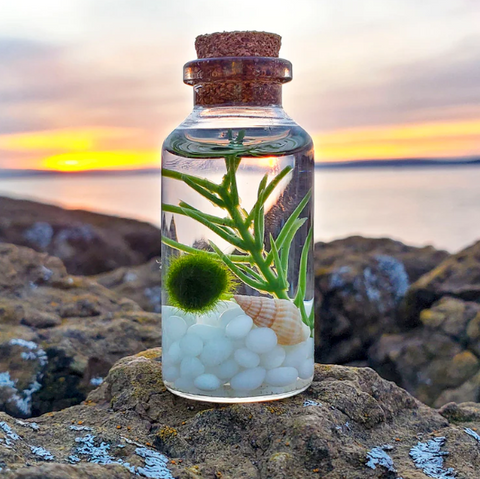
(267, 161)
(100, 160)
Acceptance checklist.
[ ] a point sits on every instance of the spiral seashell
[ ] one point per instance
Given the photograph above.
(281, 315)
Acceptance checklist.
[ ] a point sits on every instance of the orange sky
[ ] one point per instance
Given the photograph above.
(375, 79)
(79, 149)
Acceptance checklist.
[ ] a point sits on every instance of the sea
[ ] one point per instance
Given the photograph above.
(436, 205)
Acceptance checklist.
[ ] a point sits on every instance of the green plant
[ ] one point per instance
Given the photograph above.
(196, 282)
(265, 271)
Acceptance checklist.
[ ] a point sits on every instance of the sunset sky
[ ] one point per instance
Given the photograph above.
(88, 84)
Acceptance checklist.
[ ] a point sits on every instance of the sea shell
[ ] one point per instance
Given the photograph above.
(281, 315)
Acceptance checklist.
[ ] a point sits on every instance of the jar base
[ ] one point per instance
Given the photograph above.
(237, 400)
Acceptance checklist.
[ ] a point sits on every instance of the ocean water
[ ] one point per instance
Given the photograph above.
(419, 206)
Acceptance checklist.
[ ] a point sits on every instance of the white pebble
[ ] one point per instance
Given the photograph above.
(189, 318)
(261, 340)
(281, 376)
(229, 314)
(216, 351)
(170, 373)
(167, 311)
(247, 358)
(174, 354)
(184, 384)
(248, 379)
(191, 345)
(205, 331)
(191, 367)
(239, 327)
(274, 358)
(174, 327)
(212, 319)
(207, 382)
(305, 371)
(228, 369)
(296, 356)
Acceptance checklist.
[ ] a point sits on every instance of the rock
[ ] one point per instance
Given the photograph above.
(140, 283)
(60, 334)
(349, 424)
(457, 276)
(88, 243)
(359, 284)
(437, 362)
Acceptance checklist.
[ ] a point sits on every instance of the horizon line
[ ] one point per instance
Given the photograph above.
(426, 161)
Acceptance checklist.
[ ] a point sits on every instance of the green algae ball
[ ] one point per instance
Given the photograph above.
(195, 283)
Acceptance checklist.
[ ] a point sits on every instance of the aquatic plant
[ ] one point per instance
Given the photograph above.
(196, 282)
(262, 270)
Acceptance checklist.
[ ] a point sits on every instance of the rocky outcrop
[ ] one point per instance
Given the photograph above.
(437, 355)
(359, 284)
(457, 276)
(87, 243)
(438, 362)
(60, 334)
(140, 283)
(349, 424)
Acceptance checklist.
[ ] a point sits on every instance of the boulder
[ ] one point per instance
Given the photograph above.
(140, 283)
(439, 361)
(88, 243)
(349, 424)
(60, 334)
(359, 284)
(457, 276)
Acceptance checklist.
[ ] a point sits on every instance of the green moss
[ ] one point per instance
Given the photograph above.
(197, 282)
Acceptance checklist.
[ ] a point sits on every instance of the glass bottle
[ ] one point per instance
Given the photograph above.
(237, 230)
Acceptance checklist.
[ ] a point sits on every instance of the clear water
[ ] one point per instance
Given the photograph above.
(280, 147)
(205, 153)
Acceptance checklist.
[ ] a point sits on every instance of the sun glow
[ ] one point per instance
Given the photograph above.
(77, 139)
(101, 160)
(267, 162)
(113, 148)
(440, 139)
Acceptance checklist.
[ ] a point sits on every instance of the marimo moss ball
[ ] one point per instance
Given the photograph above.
(196, 282)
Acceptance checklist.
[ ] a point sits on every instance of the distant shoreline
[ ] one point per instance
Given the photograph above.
(394, 163)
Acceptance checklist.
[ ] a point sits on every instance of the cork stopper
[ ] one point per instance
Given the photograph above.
(238, 44)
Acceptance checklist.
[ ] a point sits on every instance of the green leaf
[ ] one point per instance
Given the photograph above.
(250, 271)
(260, 286)
(195, 179)
(231, 183)
(278, 264)
(240, 137)
(289, 224)
(204, 192)
(267, 191)
(180, 210)
(261, 186)
(259, 227)
(302, 274)
(221, 231)
(235, 258)
(285, 249)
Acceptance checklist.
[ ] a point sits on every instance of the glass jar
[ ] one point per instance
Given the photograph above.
(237, 238)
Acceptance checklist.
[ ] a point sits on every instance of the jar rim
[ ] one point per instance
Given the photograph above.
(237, 69)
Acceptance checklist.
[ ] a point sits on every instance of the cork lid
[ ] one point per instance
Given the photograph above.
(238, 44)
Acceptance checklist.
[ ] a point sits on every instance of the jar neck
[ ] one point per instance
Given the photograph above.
(237, 94)
(238, 81)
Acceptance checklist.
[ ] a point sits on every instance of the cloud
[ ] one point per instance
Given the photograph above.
(431, 89)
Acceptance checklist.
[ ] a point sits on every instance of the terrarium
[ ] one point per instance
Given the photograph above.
(237, 230)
